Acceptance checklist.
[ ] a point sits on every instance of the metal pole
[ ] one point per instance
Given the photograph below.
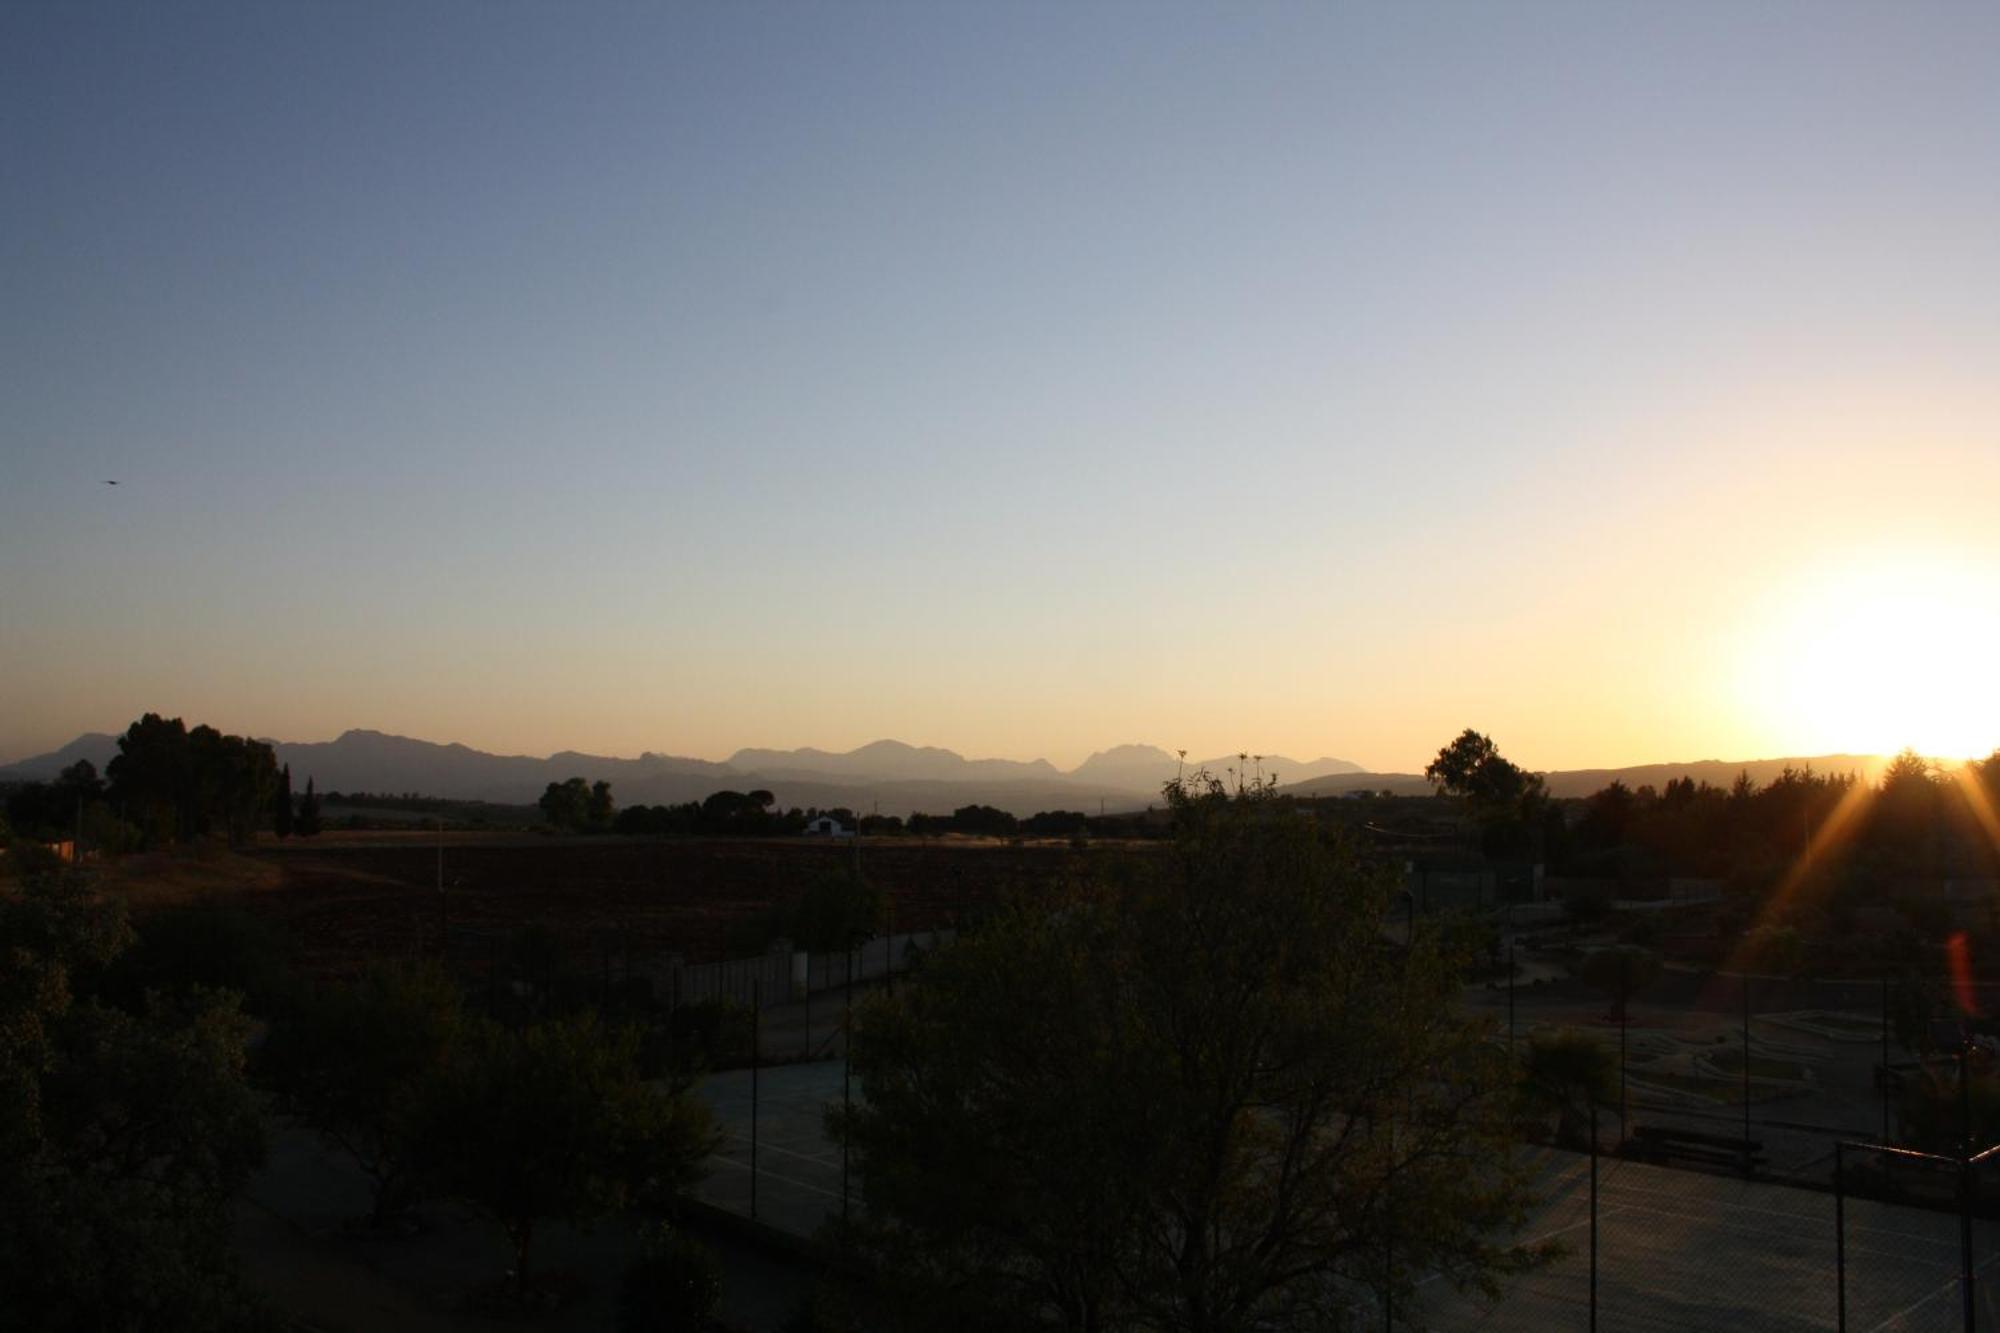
(756, 1028)
(1885, 1057)
(1622, 1018)
(1965, 1238)
(1964, 1099)
(1510, 996)
(809, 1006)
(888, 951)
(1746, 1073)
(1593, 1215)
(1840, 1236)
(1965, 1174)
(846, 1078)
(1389, 1277)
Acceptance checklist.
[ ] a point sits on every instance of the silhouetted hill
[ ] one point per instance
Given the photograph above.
(1584, 781)
(377, 762)
(887, 775)
(891, 761)
(1715, 772)
(96, 746)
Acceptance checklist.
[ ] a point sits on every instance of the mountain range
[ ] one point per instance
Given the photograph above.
(886, 775)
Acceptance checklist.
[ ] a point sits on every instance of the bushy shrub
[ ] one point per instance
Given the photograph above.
(673, 1285)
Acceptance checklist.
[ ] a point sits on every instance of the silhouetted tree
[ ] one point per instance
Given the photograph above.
(281, 809)
(1619, 973)
(1509, 802)
(306, 824)
(123, 1135)
(364, 1064)
(983, 819)
(553, 1122)
(840, 911)
(1564, 1074)
(177, 784)
(1312, 1103)
(673, 1285)
(566, 804)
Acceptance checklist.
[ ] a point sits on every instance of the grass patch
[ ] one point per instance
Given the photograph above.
(1715, 1090)
(1761, 1066)
(1843, 1023)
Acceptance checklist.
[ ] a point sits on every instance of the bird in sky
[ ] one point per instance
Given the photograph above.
(110, 483)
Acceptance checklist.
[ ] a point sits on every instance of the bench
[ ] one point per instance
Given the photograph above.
(1661, 1143)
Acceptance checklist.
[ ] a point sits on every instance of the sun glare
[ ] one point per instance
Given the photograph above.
(1876, 657)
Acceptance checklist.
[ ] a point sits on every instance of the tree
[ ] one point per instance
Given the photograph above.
(839, 911)
(306, 823)
(281, 808)
(1620, 972)
(364, 1064)
(1565, 1074)
(123, 1135)
(1472, 767)
(598, 809)
(179, 784)
(566, 804)
(552, 1122)
(983, 819)
(672, 1286)
(1508, 801)
(1200, 1094)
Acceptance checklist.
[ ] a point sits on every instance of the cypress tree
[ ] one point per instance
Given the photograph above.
(307, 824)
(281, 812)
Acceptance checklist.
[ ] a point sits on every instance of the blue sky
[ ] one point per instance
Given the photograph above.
(1024, 379)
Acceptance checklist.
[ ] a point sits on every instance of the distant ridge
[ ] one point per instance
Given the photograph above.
(1584, 781)
(885, 775)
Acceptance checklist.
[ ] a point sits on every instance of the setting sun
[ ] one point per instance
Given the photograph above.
(1877, 656)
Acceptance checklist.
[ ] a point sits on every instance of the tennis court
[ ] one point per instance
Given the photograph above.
(1676, 1249)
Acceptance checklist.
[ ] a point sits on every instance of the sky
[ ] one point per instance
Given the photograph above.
(1025, 379)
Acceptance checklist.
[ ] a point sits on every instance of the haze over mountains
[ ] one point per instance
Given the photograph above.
(886, 775)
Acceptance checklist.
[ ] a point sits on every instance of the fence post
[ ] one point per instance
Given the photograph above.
(809, 1007)
(1840, 1236)
(1964, 1100)
(1593, 1215)
(1510, 996)
(756, 1050)
(1965, 1236)
(1885, 1057)
(673, 1012)
(1389, 1275)
(1622, 1020)
(1746, 1073)
(846, 1078)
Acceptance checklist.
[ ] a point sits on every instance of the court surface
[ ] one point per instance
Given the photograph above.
(1676, 1249)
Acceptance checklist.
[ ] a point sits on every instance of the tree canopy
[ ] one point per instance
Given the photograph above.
(1202, 1093)
(176, 783)
(552, 1122)
(123, 1134)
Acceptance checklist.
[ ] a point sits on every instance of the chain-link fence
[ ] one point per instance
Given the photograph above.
(1770, 1152)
